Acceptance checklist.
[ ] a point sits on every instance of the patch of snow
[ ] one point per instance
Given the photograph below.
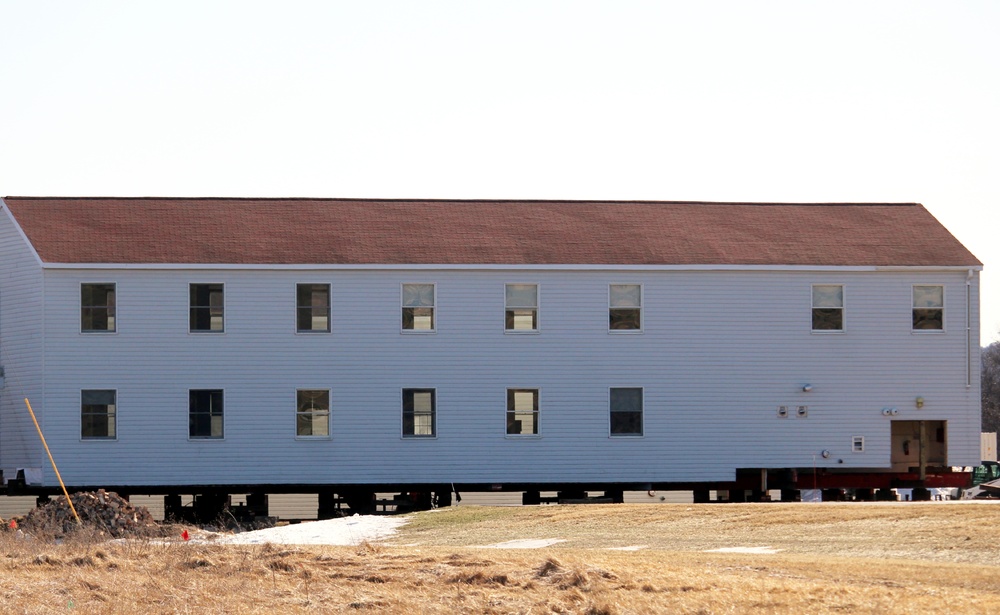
(536, 543)
(345, 531)
(752, 550)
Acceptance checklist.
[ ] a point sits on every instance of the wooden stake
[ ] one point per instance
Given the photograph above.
(53, 461)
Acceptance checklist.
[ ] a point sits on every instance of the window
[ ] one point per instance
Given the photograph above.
(521, 303)
(624, 307)
(205, 413)
(418, 412)
(97, 307)
(522, 412)
(312, 303)
(928, 308)
(827, 307)
(418, 307)
(207, 308)
(98, 415)
(312, 413)
(626, 412)
(858, 444)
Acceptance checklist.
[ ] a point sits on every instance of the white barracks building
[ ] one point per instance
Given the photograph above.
(346, 347)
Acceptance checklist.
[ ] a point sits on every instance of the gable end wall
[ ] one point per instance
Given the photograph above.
(21, 340)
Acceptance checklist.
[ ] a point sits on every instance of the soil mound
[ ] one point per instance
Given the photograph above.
(102, 512)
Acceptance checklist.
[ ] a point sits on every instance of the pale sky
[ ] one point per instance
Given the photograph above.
(710, 101)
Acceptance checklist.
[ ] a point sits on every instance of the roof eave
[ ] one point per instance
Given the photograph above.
(504, 266)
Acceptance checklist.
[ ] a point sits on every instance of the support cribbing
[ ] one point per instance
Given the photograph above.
(53, 461)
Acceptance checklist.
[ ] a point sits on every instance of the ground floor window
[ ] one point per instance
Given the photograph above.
(312, 413)
(522, 412)
(205, 413)
(626, 411)
(98, 414)
(418, 412)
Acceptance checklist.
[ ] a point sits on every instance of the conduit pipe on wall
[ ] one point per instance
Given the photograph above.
(968, 329)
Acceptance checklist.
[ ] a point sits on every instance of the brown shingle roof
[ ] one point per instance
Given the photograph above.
(369, 231)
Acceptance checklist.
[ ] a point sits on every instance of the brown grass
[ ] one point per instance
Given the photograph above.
(837, 559)
(952, 532)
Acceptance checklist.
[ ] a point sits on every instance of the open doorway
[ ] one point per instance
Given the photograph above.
(919, 444)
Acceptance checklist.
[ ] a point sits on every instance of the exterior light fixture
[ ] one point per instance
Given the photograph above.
(920, 402)
(806, 388)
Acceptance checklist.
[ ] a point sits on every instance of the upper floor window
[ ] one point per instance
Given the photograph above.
(626, 411)
(419, 412)
(312, 413)
(624, 307)
(97, 307)
(98, 414)
(522, 412)
(521, 303)
(928, 308)
(418, 307)
(312, 303)
(828, 307)
(207, 308)
(205, 413)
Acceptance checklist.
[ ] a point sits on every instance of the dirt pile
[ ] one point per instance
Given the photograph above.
(107, 514)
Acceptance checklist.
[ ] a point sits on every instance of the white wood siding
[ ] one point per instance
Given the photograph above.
(20, 350)
(719, 352)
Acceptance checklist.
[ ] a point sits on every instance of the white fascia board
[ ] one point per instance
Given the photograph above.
(20, 231)
(501, 267)
(934, 268)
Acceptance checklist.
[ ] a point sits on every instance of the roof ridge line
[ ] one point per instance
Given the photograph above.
(437, 200)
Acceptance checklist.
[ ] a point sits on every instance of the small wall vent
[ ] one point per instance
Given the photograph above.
(782, 412)
(802, 411)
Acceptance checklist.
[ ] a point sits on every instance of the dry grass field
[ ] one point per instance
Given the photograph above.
(830, 558)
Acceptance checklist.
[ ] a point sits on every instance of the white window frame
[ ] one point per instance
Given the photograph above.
(112, 331)
(943, 308)
(403, 306)
(642, 414)
(537, 413)
(843, 309)
(402, 414)
(225, 309)
(855, 442)
(642, 298)
(329, 415)
(537, 308)
(208, 438)
(99, 438)
(329, 309)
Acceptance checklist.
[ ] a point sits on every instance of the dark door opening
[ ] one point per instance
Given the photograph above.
(919, 444)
